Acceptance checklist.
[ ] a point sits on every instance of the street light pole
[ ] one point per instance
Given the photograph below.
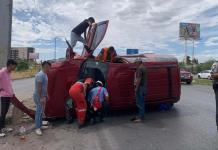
(55, 49)
(55, 46)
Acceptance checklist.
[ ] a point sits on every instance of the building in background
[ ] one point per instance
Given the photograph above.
(24, 53)
(5, 30)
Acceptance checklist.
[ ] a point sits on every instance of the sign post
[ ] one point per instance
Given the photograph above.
(189, 31)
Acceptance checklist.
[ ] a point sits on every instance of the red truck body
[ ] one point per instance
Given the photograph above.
(163, 77)
(163, 81)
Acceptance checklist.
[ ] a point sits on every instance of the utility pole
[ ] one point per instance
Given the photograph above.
(5, 30)
(55, 51)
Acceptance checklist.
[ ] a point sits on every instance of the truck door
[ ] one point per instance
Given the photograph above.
(95, 36)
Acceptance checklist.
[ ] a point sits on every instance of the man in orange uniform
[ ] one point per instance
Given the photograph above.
(78, 93)
(107, 54)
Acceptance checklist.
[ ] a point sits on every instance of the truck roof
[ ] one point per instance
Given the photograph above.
(151, 57)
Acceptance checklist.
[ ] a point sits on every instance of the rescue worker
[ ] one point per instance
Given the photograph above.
(140, 89)
(6, 94)
(80, 29)
(214, 75)
(107, 54)
(98, 97)
(78, 94)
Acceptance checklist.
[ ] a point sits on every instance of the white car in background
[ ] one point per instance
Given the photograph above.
(206, 74)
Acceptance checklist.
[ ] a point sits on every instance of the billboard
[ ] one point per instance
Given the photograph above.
(33, 55)
(132, 51)
(5, 30)
(189, 31)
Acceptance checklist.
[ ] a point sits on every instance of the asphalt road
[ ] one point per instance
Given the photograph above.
(23, 89)
(190, 125)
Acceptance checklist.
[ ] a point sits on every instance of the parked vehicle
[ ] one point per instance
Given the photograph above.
(206, 74)
(186, 76)
(162, 76)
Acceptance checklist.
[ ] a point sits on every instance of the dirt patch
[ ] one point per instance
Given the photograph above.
(24, 74)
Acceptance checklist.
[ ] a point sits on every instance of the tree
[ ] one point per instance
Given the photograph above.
(194, 61)
(188, 60)
(22, 65)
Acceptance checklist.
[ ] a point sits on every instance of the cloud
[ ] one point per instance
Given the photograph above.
(212, 41)
(151, 25)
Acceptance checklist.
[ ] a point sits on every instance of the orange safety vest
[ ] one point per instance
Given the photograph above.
(104, 55)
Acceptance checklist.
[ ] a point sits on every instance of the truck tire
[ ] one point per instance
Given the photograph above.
(188, 82)
(171, 105)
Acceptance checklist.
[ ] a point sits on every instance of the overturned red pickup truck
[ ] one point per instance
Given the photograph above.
(163, 77)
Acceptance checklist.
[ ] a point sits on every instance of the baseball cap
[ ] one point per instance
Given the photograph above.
(100, 82)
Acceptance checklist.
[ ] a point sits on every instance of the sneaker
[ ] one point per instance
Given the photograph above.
(137, 120)
(44, 127)
(134, 118)
(2, 135)
(38, 132)
(7, 130)
(45, 123)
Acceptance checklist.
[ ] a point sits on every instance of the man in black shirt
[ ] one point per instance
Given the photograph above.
(79, 30)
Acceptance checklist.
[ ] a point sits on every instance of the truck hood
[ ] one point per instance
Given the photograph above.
(95, 35)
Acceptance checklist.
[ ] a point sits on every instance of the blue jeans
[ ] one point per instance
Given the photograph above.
(140, 101)
(39, 112)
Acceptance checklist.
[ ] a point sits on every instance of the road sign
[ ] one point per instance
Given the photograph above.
(132, 51)
(33, 55)
(189, 31)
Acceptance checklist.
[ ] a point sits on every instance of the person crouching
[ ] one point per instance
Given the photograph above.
(78, 93)
(97, 98)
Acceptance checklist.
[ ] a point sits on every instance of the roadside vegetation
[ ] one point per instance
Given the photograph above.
(194, 67)
(202, 81)
(25, 69)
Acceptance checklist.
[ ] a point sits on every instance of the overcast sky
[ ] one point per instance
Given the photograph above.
(149, 25)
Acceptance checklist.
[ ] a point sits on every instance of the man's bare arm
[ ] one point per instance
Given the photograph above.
(138, 80)
(107, 98)
(214, 75)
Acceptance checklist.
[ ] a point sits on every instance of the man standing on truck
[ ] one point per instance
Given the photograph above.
(6, 93)
(40, 95)
(140, 83)
(214, 75)
(79, 30)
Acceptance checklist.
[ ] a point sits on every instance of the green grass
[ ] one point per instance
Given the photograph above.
(202, 82)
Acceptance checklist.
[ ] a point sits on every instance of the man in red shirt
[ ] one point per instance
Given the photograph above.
(6, 93)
